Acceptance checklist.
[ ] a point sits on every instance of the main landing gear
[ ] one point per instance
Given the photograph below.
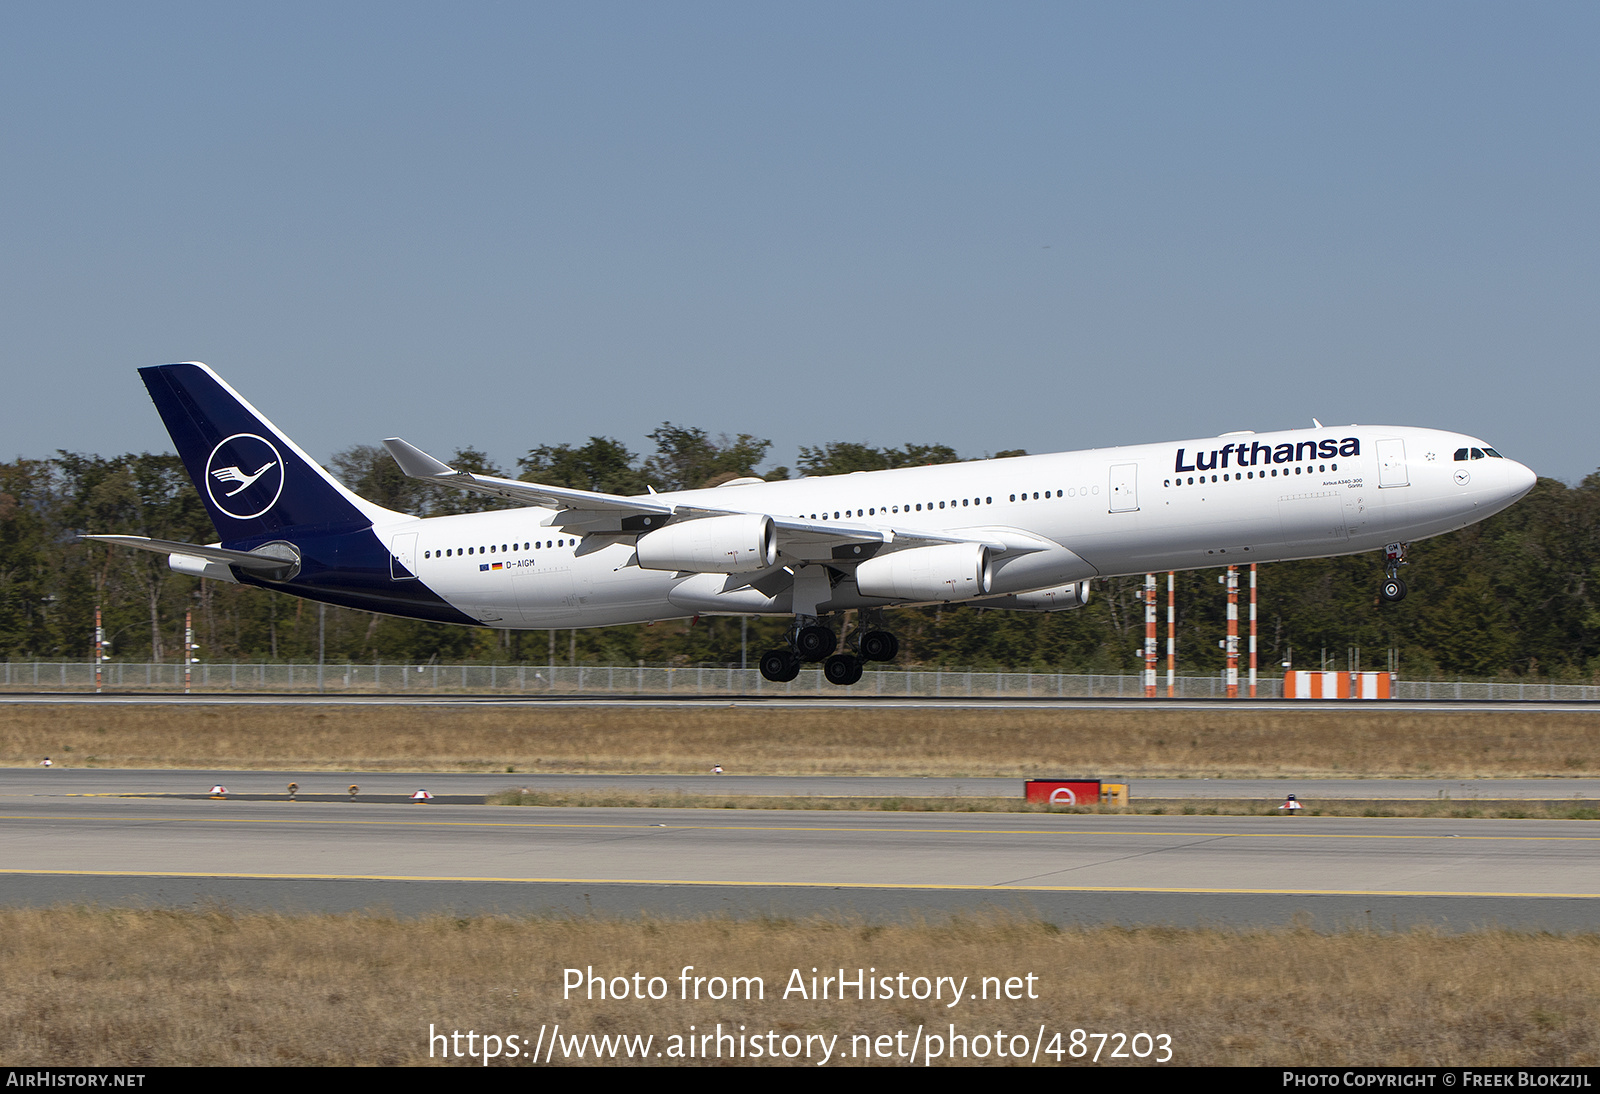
(1393, 589)
(813, 641)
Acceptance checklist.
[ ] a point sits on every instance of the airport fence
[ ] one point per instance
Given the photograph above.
(708, 680)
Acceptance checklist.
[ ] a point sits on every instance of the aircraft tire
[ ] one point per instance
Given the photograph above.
(815, 643)
(842, 669)
(879, 646)
(780, 666)
(1393, 590)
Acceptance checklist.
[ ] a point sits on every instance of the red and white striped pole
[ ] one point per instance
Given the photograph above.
(1149, 636)
(1233, 632)
(1252, 630)
(1172, 643)
(188, 647)
(99, 648)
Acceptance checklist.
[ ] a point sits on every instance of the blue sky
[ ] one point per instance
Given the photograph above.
(1040, 226)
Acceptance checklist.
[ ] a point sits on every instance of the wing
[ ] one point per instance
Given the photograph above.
(278, 561)
(587, 511)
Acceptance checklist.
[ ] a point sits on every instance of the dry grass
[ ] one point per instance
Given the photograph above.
(1493, 809)
(134, 988)
(748, 740)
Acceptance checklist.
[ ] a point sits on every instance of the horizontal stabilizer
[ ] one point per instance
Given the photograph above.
(274, 561)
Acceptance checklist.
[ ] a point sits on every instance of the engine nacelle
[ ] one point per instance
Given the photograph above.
(1026, 571)
(1059, 599)
(739, 543)
(953, 571)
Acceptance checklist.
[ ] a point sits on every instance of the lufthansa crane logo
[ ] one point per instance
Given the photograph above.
(244, 476)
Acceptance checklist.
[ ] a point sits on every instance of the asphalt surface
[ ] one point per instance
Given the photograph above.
(56, 844)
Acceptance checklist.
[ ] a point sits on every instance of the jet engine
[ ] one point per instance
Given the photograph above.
(736, 544)
(1059, 599)
(954, 571)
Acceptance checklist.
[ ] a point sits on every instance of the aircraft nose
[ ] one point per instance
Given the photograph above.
(1519, 478)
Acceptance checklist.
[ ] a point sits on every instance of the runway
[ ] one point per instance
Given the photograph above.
(418, 859)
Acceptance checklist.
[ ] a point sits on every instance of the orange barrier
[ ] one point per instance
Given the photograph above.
(1301, 684)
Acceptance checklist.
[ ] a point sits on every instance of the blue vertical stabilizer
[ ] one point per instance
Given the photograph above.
(255, 482)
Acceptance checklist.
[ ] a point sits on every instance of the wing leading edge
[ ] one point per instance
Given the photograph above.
(598, 513)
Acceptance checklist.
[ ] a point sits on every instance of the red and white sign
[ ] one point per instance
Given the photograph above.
(1064, 791)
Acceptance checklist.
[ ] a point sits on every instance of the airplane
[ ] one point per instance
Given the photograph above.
(1024, 533)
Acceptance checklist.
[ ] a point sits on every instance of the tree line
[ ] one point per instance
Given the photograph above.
(1513, 595)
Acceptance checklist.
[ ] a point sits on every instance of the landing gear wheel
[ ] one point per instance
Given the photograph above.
(842, 669)
(815, 642)
(780, 666)
(879, 646)
(1393, 590)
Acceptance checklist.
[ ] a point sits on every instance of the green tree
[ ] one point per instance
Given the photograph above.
(369, 470)
(845, 457)
(602, 465)
(143, 494)
(687, 459)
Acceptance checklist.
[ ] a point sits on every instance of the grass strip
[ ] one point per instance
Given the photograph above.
(128, 988)
(813, 741)
(1503, 809)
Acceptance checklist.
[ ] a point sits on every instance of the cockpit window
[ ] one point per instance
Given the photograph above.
(1492, 452)
(1477, 453)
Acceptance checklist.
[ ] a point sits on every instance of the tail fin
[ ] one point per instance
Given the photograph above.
(253, 480)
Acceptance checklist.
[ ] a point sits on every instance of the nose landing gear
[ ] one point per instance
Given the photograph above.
(1393, 589)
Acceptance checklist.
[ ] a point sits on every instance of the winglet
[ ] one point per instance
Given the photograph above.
(414, 461)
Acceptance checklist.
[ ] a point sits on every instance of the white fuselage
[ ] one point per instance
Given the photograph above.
(1220, 501)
